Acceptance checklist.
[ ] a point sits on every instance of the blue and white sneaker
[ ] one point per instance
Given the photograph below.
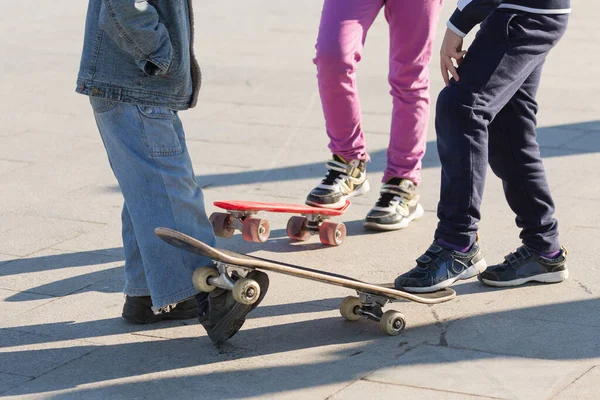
(526, 265)
(440, 267)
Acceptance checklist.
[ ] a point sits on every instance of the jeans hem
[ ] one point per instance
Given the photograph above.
(133, 292)
(158, 304)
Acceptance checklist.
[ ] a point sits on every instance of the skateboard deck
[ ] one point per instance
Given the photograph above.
(240, 205)
(372, 296)
(312, 221)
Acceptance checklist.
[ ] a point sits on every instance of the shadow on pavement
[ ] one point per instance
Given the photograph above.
(572, 327)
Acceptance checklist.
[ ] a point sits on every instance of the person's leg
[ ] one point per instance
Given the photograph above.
(514, 156)
(136, 284)
(342, 34)
(146, 148)
(507, 49)
(412, 26)
(138, 302)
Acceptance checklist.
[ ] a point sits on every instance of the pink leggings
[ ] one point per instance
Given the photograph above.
(342, 34)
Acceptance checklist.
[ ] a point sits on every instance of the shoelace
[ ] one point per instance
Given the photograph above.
(337, 172)
(333, 177)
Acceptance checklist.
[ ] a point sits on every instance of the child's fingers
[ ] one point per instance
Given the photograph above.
(444, 72)
(460, 57)
(449, 67)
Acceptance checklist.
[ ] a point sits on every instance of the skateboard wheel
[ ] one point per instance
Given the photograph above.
(392, 322)
(222, 224)
(349, 308)
(246, 291)
(256, 230)
(200, 279)
(332, 233)
(296, 228)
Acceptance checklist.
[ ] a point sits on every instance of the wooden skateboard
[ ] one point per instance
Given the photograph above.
(369, 303)
(240, 216)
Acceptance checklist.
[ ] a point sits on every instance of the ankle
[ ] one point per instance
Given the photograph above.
(460, 249)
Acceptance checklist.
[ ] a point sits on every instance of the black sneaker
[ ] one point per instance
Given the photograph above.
(439, 268)
(344, 179)
(526, 265)
(222, 316)
(138, 310)
(398, 205)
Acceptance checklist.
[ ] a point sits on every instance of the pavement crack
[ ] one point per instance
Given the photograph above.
(585, 288)
(478, 396)
(443, 328)
(575, 380)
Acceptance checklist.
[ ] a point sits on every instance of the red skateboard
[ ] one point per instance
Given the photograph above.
(239, 216)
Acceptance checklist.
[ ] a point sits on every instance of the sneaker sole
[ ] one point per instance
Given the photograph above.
(233, 321)
(137, 321)
(365, 188)
(418, 213)
(550, 277)
(188, 314)
(468, 273)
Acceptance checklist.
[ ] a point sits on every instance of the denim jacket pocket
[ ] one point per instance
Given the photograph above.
(160, 135)
(102, 105)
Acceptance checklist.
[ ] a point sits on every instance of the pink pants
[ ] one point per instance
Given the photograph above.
(342, 34)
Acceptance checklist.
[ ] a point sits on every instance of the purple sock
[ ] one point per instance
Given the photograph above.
(455, 247)
(551, 255)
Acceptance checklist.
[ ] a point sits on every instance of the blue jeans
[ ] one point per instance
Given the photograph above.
(147, 152)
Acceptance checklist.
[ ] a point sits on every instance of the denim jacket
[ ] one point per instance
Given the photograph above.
(140, 52)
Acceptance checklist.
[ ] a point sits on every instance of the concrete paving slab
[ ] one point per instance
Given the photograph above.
(19, 357)
(589, 143)
(4, 258)
(105, 240)
(479, 373)
(7, 166)
(98, 203)
(90, 315)
(137, 371)
(366, 389)
(581, 388)
(22, 235)
(8, 381)
(259, 107)
(56, 273)
(11, 309)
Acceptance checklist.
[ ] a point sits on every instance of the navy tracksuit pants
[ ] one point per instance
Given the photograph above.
(489, 116)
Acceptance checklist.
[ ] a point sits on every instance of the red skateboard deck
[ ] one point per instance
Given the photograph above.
(240, 214)
(240, 205)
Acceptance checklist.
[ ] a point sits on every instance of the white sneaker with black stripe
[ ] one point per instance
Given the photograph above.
(344, 179)
(398, 206)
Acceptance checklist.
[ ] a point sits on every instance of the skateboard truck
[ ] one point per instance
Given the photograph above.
(243, 290)
(253, 229)
(370, 306)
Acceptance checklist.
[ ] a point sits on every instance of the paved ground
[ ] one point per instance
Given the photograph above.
(258, 134)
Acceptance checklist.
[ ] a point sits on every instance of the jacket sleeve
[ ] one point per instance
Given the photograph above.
(470, 13)
(135, 27)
